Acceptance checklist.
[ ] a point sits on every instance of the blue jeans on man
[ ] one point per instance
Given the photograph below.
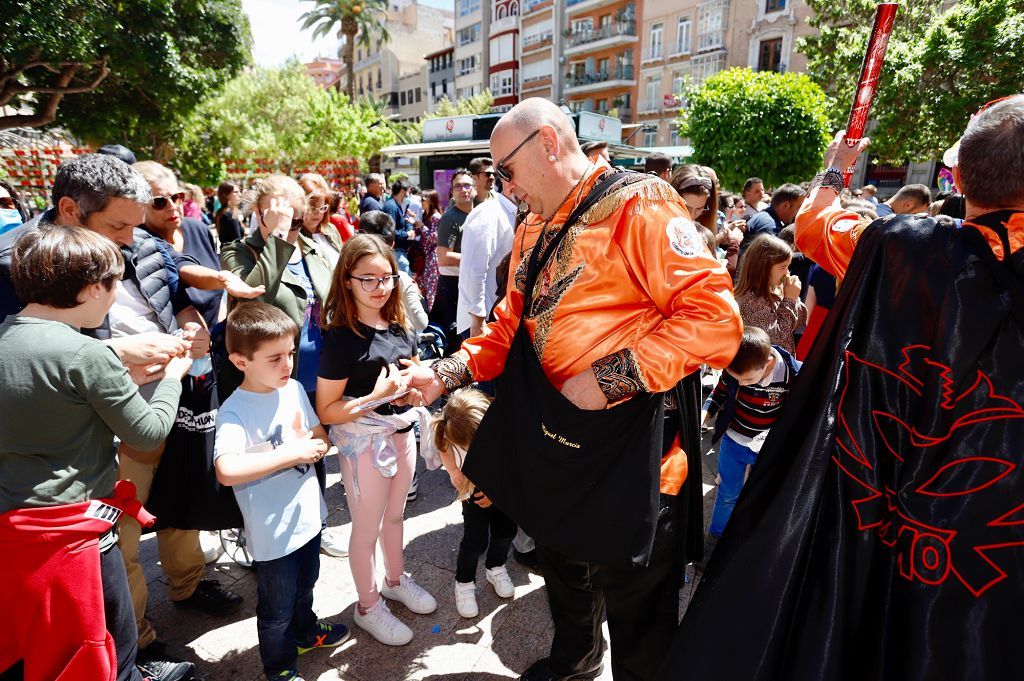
(284, 609)
(402, 257)
(733, 459)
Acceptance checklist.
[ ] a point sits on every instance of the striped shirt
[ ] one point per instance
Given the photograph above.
(754, 408)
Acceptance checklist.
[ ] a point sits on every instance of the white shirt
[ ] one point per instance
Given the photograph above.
(486, 239)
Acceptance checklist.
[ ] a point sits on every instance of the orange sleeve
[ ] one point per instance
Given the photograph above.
(826, 233)
(691, 290)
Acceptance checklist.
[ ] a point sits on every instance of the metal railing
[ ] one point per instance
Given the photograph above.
(627, 28)
(620, 73)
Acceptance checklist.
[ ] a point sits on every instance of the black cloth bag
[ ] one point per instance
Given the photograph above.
(582, 482)
(185, 493)
(881, 532)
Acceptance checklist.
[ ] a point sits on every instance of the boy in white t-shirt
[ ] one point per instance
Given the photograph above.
(268, 438)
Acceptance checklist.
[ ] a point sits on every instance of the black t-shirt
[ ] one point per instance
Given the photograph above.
(228, 228)
(449, 230)
(199, 250)
(359, 360)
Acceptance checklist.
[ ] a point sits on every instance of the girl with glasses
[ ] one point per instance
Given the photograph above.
(366, 334)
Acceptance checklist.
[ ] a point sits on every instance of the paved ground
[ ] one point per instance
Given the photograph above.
(500, 643)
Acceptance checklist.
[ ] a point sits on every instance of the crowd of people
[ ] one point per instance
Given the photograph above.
(542, 337)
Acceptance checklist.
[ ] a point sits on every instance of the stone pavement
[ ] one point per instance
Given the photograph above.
(500, 643)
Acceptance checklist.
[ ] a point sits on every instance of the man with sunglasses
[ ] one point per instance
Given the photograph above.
(482, 169)
(880, 535)
(628, 303)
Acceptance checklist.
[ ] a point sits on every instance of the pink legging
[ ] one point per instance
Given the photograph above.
(377, 512)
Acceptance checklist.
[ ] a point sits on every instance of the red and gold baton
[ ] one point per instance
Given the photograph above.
(874, 57)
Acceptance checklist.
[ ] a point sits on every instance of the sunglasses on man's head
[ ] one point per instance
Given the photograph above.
(161, 202)
(501, 169)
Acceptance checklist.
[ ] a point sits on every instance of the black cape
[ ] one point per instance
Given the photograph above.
(881, 532)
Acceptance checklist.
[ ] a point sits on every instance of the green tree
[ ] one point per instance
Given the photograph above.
(941, 66)
(136, 68)
(477, 104)
(744, 123)
(277, 113)
(358, 21)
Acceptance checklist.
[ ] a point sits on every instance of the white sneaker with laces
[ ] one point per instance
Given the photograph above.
(502, 583)
(332, 544)
(410, 594)
(465, 599)
(383, 626)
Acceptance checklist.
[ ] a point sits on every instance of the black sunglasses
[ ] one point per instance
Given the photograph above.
(161, 202)
(500, 170)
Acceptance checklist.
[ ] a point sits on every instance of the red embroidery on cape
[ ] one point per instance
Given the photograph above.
(927, 553)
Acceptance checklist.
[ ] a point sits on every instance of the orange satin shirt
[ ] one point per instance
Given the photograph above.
(632, 293)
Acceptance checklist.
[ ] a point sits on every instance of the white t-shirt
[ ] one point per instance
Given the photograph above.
(285, 509)
(131, 314)
(326, 249)
(486, 239)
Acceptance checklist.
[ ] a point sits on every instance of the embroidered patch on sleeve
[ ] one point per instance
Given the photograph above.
(453, 372)
(619, 376)
(684, 239)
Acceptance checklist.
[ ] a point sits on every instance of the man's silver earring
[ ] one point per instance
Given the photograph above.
(552, 158)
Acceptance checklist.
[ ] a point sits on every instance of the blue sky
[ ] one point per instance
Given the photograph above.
(277, 36)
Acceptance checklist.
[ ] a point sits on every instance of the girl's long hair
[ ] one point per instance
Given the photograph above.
(764, 253)
(431, 203)
(340, 310)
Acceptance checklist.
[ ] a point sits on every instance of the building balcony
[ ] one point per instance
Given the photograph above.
(578, 84)
(531, 7)
(503, 25)
(613, 35)
(574, 7)
(534, 43)
(536, 83)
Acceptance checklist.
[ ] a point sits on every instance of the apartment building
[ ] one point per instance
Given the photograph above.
(325, 71)
(503, 58)
(666, 48)
(602, 51)
(379, 69)
(764, 35)
(412, 95)
(440, 76)
(540, 48)
(471, 30)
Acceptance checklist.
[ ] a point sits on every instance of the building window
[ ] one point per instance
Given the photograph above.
(774, 6)
(419, 95)
(468, 7)
(678, 82)
(650, 138)
(401, 98)
(674, 140)
(769, 55)
(683, 36)
(469, 35)
(467, 65)
(710, 24)
(705, 65)
(657, 33)
(652, 98)
(602, 107)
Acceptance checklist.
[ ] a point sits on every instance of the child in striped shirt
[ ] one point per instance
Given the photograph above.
(747, 400)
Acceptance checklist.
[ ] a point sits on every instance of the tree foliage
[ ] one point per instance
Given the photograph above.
(160, 58)
(477, 104)
(744, 123)
(278, 113)
(941, 66)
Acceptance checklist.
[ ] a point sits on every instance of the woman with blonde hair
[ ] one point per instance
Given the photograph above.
(366, 335)
(767, 294)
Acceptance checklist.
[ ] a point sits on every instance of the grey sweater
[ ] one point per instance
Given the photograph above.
(63, 397)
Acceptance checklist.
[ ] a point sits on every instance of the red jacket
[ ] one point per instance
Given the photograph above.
(51, 593)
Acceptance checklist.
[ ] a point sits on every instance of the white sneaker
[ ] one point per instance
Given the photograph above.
(465, 599)
(502, 583)
(410, 594)
(383, 626)
(332, 544)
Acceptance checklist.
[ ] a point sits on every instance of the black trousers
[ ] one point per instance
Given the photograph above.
(445, 310)
(641, 604)
(483, 529)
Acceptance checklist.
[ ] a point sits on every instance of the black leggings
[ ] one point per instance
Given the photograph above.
(483, 529)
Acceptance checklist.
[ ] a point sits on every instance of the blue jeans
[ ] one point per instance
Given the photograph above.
(402, 257)
(284, 609)
(733, 460)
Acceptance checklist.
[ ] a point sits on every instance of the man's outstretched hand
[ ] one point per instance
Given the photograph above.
(421, 378)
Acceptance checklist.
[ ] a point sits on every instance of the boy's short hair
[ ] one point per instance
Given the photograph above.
(754, 351)
(252, 324)
(379, 223)
(51, 264)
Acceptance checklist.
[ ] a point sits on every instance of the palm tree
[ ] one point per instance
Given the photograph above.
(362, 20)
